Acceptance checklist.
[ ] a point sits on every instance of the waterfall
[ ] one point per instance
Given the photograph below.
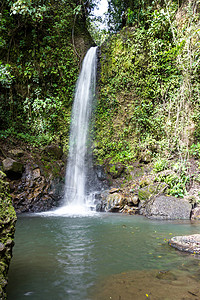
(76, 172)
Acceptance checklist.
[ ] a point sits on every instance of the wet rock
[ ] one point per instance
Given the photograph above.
(36, 192)
(167, 208)
(133, 200)
(101, 201)
(12, 168)
(99, 207)
(129, 210)
(187, 243)
(111, 202)
(100, 173)
(166, 275)
(115, 202)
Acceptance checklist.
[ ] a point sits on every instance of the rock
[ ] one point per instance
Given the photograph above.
(166, 275)
(36, 192)
(100, 173)
(111, 202)
(195, 213)
(133, 200)
(12, 168)
(114, 190)
(54, 151)
(187, 243)
(192, 199)
(17, 152)
(99, 207)
(36, 173)
(129, 210)
(167, 208)
(101, 202)
(144, 182)
(149, 191)
(115, 202)
(7, 225)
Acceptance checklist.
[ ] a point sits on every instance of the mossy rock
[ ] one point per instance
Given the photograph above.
(115, 170)
(148, 192)
(7, 224)
(54, 151)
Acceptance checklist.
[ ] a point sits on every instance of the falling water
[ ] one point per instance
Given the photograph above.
(76, 171)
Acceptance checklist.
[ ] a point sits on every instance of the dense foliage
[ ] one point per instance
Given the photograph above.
(129, 12)
(41, 45)
(150, 83)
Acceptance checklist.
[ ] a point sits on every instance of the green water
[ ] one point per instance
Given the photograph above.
(65, 257)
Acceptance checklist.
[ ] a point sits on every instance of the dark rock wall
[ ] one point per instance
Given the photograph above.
(38, 184)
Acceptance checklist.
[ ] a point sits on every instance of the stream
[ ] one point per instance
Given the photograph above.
(71, 257)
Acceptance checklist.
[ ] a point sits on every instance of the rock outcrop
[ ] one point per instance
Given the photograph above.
(35, 177)
(12, 168)
(7, 230)
(36, 192)
(115, 201)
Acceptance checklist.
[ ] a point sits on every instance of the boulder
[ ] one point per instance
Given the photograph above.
(111, 202)
(12, 168)
(115, 202)
(187, 243)
(167, 208)
(54, 151)
(133, 200)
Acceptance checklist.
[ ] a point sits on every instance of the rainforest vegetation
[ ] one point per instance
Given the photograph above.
(41, 46)
(149, 79)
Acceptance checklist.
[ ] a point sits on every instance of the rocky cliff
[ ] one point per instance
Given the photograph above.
(7, 230)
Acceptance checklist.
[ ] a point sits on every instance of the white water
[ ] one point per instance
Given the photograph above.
(75, 180)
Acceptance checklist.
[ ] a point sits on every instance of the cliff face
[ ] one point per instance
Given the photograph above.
(149, 86)
(148, 102)
(7, 230)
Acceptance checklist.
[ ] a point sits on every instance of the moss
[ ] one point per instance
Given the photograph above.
(7, 226)
(146, 193)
